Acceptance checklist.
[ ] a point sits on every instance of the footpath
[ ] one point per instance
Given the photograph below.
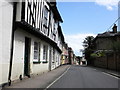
(40, 81)
(111, 72)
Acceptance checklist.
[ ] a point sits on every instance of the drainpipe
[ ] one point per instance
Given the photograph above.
(12, 42)
(48, 36)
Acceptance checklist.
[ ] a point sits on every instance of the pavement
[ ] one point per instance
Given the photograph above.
(111, 72)
(40, 81)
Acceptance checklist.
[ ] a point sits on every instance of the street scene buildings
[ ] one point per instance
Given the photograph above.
(33, 43)
(107, 44)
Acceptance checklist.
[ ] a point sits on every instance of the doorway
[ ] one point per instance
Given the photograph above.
(27, 57)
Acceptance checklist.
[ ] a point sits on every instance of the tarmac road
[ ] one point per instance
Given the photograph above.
(85, 77)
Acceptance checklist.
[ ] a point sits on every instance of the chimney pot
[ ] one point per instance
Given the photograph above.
(114, 28)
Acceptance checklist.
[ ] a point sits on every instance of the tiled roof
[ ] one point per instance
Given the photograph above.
(108, 34)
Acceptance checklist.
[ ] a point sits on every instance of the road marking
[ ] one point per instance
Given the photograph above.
(110, 75)
(56, 79)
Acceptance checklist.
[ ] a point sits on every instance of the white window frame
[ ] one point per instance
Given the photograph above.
(36, 58)
(45, 53)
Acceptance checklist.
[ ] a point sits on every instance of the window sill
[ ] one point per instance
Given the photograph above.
(53, 62)
(45, 62)
(36, 62)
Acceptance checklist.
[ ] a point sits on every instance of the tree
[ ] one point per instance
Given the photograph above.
(116, 47)
(88, 48)
(116, 50)
(87, 43)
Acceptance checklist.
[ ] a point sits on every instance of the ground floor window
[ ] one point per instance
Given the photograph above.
(45, 52)
(36, 52)
(53, 55)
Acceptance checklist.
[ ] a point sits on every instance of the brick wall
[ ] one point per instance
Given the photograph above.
(111, 61)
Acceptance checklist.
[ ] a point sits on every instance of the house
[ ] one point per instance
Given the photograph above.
(64, 58)
(83, 61)
(78, 59)
(103, 47)
(70, 55)
(32, 39)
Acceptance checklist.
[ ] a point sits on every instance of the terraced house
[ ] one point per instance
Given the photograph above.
(31, 38)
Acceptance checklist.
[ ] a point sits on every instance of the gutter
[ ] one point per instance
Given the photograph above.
(12, 43)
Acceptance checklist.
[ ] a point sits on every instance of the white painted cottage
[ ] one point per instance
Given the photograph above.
(31, 39)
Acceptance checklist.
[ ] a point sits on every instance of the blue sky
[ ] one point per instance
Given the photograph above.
(83, 19)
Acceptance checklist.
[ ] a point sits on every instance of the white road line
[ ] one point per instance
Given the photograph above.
(57, 79)
(94, 69)
(110, 75)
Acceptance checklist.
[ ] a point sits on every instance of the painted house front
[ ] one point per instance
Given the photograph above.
(35, 47)
(70, 55)
(6, 27)
(64, 59)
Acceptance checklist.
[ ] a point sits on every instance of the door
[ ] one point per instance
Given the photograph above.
(27, 57)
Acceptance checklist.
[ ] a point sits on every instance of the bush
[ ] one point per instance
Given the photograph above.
(98, 54)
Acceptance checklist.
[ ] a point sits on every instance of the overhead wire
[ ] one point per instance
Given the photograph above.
(113, 24)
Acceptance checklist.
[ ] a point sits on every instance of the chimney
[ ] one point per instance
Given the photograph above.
(114, 28)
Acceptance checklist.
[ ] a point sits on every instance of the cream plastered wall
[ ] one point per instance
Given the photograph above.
(6, 18)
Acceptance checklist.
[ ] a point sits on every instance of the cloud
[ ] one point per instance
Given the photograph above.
(75, 41)
(109, 4)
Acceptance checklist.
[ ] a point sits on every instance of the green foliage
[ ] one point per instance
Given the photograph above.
(116, 47)
(98, 54)
(87, 43)
(94, 55)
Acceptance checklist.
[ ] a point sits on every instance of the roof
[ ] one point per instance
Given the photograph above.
(61, 34)
(56, 12)
(107, 35)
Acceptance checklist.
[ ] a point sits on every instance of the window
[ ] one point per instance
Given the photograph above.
(45, 49)
(53, 55)
(45, 16)
(36, 52)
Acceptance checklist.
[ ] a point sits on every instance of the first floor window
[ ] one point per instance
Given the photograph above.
(45, 16)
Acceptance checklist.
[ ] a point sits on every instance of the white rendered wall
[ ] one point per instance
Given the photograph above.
(18, 55)
(0, 44)
(6, 18)
(18, 59)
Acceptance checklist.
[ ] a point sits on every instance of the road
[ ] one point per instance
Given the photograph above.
(84, 77)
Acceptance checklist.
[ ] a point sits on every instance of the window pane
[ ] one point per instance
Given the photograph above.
(45, 52)
(45, 16)
(36, 53)
(46, 13)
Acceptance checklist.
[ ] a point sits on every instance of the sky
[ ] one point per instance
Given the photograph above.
(82, 18)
